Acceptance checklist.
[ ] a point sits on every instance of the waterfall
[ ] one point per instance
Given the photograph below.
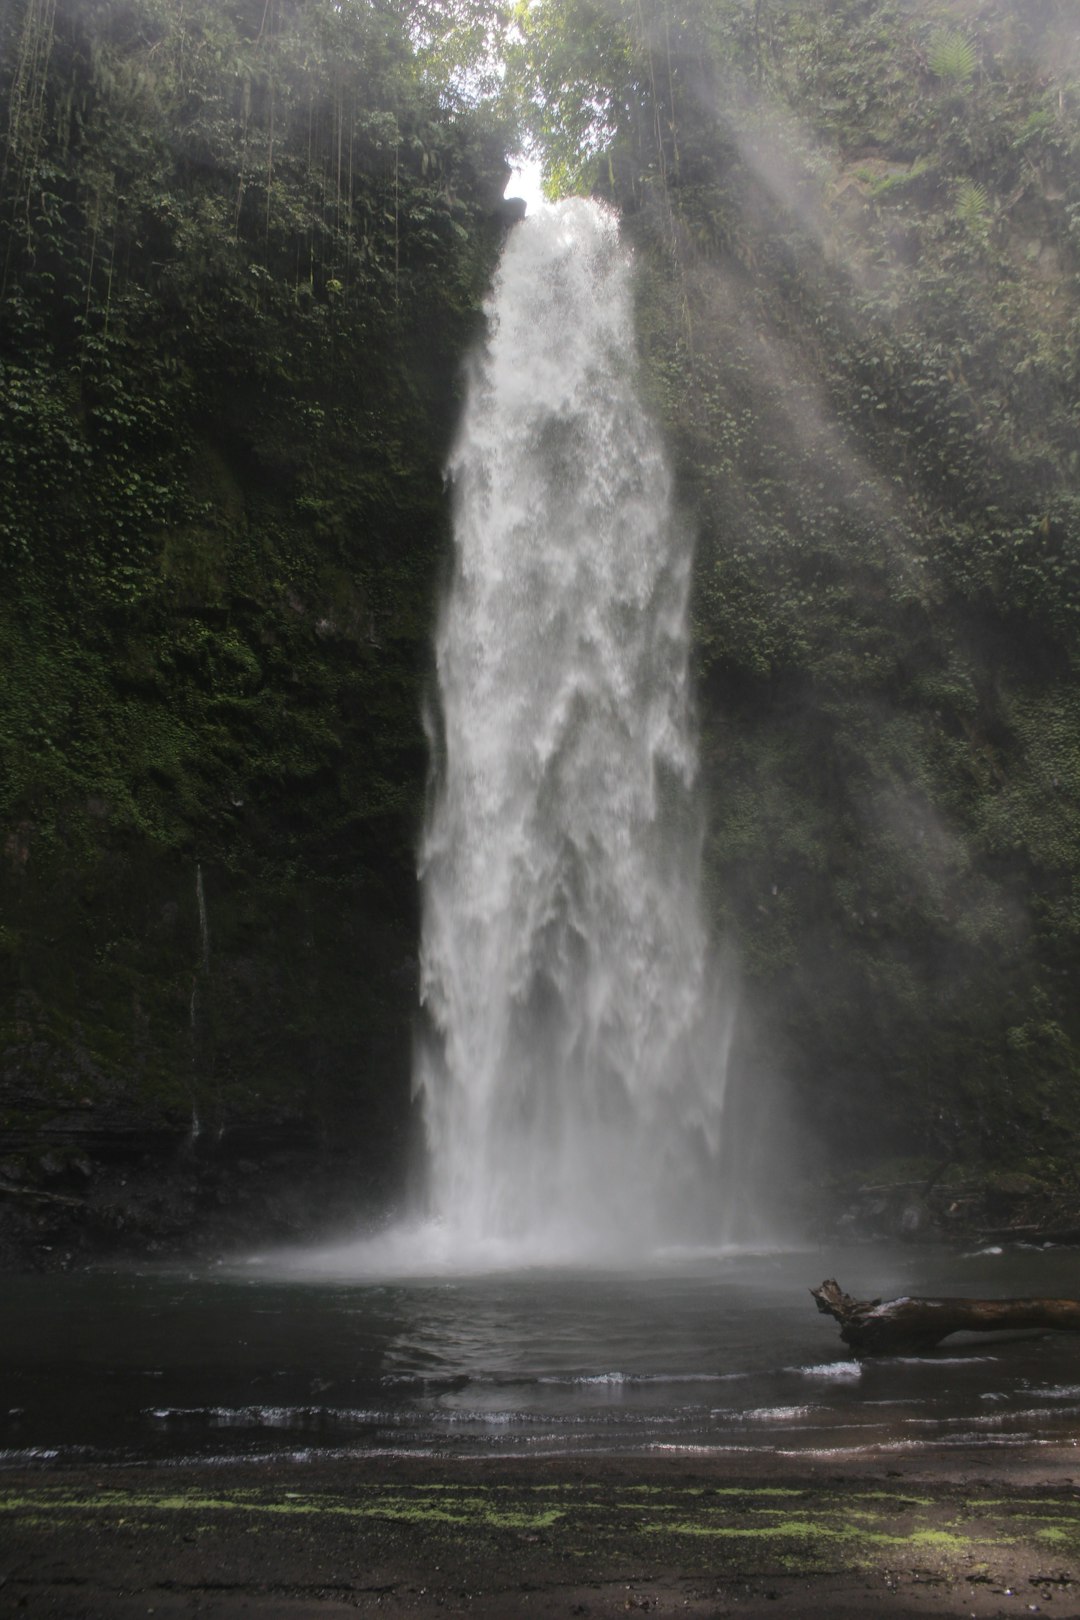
(572, 1068)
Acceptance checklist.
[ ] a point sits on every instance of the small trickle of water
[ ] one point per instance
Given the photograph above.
(573, 1070)
(199, 976)
(204, 925)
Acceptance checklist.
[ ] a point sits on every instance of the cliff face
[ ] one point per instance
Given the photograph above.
(242, 263)
(244, 248)
(857, 225)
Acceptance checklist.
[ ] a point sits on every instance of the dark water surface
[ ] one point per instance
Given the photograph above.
(706, 1354)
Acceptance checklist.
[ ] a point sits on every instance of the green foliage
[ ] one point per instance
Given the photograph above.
(973, 207)
(857, 326)
(951, 56)
(243, 251)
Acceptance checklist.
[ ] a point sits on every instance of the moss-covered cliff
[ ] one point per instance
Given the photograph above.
(244, 248)
(857, 223)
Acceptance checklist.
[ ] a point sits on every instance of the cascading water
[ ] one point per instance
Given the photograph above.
(572, 1073)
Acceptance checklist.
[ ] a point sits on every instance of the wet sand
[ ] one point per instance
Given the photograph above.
(986, 1532)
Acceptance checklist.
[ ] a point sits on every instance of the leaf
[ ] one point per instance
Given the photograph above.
(973, 206)
(951, 56)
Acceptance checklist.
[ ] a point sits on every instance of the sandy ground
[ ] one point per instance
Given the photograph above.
(992, 1532)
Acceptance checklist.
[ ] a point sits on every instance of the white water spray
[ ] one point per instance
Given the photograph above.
(573, 1074)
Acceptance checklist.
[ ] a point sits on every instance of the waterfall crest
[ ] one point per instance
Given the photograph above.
(572, 1069)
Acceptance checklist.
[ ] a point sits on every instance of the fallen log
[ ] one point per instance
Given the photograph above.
(874, 1327)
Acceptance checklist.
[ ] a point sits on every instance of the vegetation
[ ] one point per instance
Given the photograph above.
(857, 229)
(244, 249)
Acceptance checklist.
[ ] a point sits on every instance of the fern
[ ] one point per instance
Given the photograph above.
(973, 207)
(951, 56)
(972, 201)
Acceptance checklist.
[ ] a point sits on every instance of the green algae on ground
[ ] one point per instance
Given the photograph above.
(942, 1540)
(751, 1491)
(449, 1507)
(1059, 1536)
(710, 1490)
(866, 1524)
(894, 1501)
(589, 1525)
(462, 1512)
(787, 1529)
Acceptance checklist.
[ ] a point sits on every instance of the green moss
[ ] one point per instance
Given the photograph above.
(784, 1530)
(222, 519)
(870, 404)
(945, 1541)
(1058, 1537)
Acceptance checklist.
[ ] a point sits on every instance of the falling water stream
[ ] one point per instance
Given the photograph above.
(573, 1073)
(199, 980)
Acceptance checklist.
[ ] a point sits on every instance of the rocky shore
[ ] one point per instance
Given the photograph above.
(85, 1184)
(986, 1533)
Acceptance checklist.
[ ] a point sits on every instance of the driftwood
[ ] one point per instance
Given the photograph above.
(873, 1327)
